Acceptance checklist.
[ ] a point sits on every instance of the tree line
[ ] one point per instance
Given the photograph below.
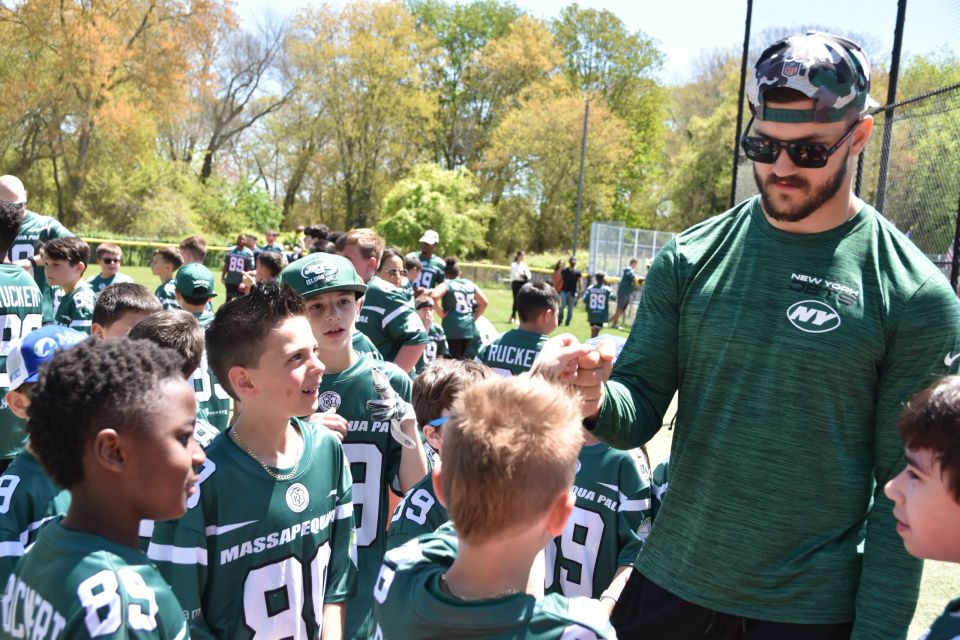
(157, 118)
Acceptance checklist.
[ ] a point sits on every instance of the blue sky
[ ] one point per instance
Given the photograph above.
(685, 28)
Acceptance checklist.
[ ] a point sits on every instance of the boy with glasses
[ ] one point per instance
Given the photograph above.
(109, 257)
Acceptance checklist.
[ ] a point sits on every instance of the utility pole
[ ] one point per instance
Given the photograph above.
(583, 160)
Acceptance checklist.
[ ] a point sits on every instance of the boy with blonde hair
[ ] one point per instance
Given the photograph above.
(66, 260)
(517, 439)
(109, 256)
(926, 494)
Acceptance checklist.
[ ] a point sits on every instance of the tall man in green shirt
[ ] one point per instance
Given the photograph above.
(793, 327)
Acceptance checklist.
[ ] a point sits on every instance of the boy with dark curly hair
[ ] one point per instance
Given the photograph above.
(266, 547)
(112, 421)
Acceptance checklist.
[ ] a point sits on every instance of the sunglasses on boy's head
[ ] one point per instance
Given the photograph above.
(806, 155)
(110, 260)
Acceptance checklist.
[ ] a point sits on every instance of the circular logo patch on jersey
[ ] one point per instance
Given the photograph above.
(297, 497)
(329, 400)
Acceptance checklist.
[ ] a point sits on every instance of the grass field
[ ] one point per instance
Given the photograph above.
(941, 580)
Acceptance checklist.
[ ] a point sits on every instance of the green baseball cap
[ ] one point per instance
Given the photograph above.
(322, 272)
(832, 71)
(195, 281)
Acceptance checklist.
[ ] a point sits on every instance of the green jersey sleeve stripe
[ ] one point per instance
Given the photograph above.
(379, 310)
(146, 529)
(80, 323)
(633, 505)
(177, 555)
(183, 632)
(404, 308)
(344, 511)
(12, 549)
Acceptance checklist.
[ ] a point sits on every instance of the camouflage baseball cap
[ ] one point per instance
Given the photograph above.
(831, 70)
(322, 272)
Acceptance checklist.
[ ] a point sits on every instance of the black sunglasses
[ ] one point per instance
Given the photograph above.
(806, 155)
(111, 260)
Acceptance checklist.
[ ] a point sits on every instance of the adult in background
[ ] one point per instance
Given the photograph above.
(519, 275)
(431, 267)
(272, 244)
(34, 231)
(570, 291)
(628, 284)
(794, 327)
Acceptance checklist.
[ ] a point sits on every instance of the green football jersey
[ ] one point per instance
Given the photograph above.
(237, 261)
(947, 626)
(79, 585)
(388, 318)
(436, 347)
(76, 308)
(410, 604)
(255, 556)
(34, 231)
(362, 344)
(512, 353)
(458, 304)
(21, 306)
(597, 298)
(419, 512)
(374, 464)
(627, 284)
(98, 283)
(167, 292)
(431, 273)
(210, 394)
(609, 523)
(28, 501)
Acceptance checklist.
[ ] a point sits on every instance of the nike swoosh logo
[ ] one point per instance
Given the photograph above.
(612, 487)
(214, 530)
(949, 360)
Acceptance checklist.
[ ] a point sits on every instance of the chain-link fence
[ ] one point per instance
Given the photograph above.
(910, 169)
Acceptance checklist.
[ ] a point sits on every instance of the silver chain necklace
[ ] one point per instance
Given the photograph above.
(273, 474)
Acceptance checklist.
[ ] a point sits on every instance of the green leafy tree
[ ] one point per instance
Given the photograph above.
(436, 198)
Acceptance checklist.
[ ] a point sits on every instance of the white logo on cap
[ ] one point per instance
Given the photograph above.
(44, 347)
(318, 272)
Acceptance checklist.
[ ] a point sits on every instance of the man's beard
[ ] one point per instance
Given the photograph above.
(816, 197)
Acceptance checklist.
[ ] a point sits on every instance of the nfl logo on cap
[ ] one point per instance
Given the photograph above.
(791, 68)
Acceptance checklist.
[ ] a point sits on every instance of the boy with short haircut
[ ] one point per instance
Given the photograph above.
(163, 264)
(194, 287)
(355, 393)
(434, 391)
(109, 256)
(438, 339)
(628, 282)
(112, 421)
(238, 260)
(193, 249)
(265, 547)
(119, 307)
(926, 494)
(413, 267)
(66, 260)
(513, 353)
(269, 265)
(272, 246)
(597, 298)
(387, 316)
(461, 303)
(502, 434)
(30, 499)
(22, 310)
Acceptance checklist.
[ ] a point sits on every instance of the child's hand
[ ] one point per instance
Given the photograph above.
(332, 421)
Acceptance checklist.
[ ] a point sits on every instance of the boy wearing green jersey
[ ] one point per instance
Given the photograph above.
(597, 298)
(34, 231)
(109, 256)
(119, 307)
(112, 422)
(438, 339)
(353, 403)
(517, 439)
(265, 547)
(28, 498)
(433, 393)
(163, 264)
(387, 315)
(194, 290)
(431, 267)
(926, 494)
(628, 283)
(461, 303)
(514, 352)
(66, 260)
(21, 307)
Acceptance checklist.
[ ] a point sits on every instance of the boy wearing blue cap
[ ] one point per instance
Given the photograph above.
(367, 400)
(28, 498)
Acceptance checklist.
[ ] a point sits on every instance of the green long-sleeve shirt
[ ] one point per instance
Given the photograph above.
(792, 355)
